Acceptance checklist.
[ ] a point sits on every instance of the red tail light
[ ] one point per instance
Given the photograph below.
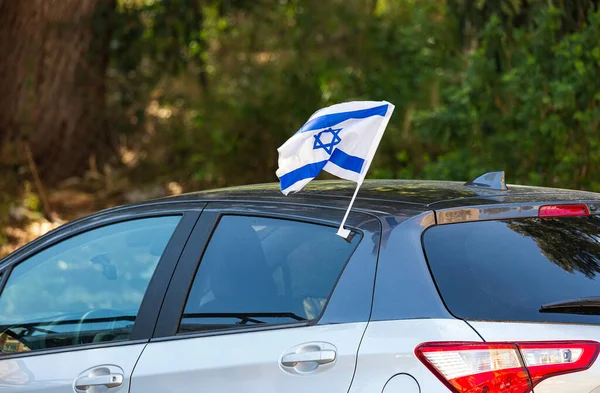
(563, 211)
(544, 360)
(504, 367)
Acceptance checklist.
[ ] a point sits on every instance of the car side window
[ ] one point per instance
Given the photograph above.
(85, 289)
(259, 270)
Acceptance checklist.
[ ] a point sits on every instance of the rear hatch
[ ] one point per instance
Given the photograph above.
(523, 280)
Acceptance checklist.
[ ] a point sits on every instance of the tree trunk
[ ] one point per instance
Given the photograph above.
(52, 82)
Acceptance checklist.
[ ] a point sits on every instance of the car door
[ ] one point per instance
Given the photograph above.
(275, 301)
(77, 309)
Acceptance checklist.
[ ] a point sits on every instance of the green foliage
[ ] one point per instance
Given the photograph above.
(208, 90)
(537, 118)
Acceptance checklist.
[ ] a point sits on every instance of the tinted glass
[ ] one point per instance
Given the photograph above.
(261, 270)
(506, 270)
(86, 289)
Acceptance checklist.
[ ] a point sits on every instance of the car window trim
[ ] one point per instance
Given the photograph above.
(4, 273)
(72, 348)
(18, 259)
(170, 317)
(95, 221)
(153, 298)
(182, 277)
(430, 270)
(233, 330)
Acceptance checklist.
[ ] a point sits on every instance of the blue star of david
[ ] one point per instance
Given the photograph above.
(328, 147)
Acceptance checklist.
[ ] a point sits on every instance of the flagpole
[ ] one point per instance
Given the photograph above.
(343, 232)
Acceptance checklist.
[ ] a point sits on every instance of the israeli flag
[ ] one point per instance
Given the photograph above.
(341, 139)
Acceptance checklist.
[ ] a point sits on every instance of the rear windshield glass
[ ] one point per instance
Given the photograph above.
(506, 270)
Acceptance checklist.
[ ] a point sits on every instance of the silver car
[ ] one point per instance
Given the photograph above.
(441, 287)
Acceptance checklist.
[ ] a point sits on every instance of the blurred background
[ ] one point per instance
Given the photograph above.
(107, 102)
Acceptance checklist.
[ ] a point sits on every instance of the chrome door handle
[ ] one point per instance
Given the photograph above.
(108, 380)
(320, 357)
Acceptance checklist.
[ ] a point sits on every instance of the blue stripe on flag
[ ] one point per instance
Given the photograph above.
(336, 118)
(304, 172)
(346, 161)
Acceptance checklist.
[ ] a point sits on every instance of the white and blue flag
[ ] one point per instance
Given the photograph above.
(340, 139)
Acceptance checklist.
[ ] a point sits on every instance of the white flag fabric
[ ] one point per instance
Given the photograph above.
(340, 139)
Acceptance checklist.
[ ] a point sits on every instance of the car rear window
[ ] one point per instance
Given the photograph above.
(506, 270)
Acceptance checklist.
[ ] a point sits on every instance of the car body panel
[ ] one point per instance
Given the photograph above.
(33, 374)
(247, 362)
(36, 374)
(404, 383)
(404, 287)
(388, 349)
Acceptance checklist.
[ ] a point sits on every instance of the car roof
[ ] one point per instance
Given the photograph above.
(401, 199)
(389, 196)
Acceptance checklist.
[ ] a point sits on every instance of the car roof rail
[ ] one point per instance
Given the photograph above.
(489, 181)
